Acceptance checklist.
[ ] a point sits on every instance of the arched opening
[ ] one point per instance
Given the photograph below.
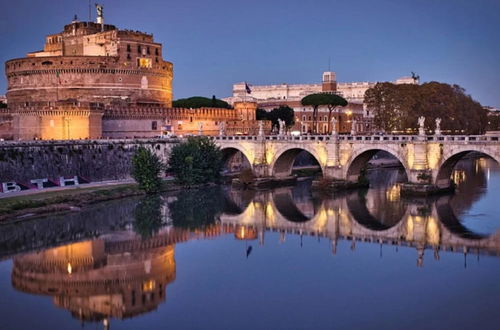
(375, 209)
(296, 160)
(472, 210)
(296, 204)
(447, 174)
(377, 166)
(234, 161)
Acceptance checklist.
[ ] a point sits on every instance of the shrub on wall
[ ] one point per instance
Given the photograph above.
(146, 169)
(196, 161)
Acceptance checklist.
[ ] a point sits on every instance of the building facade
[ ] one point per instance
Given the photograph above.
(355, 117)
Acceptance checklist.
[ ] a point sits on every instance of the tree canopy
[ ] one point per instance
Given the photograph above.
(323, 99)
(284, 112)
(200, 102)
(146, 169)
(397, 107)
(195, 161)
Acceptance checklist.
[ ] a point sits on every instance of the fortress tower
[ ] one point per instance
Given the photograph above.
(90, 80)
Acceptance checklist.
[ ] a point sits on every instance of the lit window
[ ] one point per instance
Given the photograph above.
(154, 125)
(144, 63)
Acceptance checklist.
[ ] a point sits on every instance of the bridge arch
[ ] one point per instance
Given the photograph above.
(282, 164)
(360, 158)
(445, 170)
(228, 154)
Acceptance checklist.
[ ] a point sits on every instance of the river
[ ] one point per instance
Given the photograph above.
(288, 258)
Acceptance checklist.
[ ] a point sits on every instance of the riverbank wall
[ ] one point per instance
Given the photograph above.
(89, 160)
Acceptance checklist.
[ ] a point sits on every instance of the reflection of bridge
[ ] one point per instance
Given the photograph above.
(426, 159)
(423, 225)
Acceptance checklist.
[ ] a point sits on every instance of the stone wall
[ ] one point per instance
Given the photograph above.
(97, 160)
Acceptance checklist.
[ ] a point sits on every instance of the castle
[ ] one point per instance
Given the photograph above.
(93, 80)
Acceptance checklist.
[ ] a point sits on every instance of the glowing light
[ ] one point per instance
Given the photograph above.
(458, 176)
(70, 269)
(432, 232)
(148, 286)
(393, 193)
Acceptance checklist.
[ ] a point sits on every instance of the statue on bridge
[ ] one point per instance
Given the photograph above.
(222, 128)
(261, 128)
(281, 124)
(334, 126)
(421, 128)
(438, 127)
(353, 127)
(200, 128)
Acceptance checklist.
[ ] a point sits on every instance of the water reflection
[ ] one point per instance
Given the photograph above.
(99, 279)
(120, 268)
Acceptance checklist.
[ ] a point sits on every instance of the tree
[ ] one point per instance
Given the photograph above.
(261, 114)
(319, 99)
(397, 107)
(146, 168)
(196, 161)
(284, 112)
(336, 101)
(196, 102)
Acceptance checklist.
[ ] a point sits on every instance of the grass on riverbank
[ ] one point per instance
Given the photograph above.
(67, 200)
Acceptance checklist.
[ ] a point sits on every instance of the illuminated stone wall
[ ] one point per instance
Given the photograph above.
(90, 160)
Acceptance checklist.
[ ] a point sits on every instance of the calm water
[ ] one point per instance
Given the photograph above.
(282, 259)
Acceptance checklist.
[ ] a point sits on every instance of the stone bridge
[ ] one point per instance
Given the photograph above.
(426, 159)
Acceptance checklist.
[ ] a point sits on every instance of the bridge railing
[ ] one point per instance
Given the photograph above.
(367, 138)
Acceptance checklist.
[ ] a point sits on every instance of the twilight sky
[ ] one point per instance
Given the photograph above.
(216, 43)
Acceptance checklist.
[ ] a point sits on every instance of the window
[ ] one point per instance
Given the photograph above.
(304, 118)
(148, 51)
(309, 118)
(157, 52)
(139, 49)
(128, 48)
(144, 63)
(154, 125)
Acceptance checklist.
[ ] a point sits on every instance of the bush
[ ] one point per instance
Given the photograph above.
(146, 168)
(196, 161)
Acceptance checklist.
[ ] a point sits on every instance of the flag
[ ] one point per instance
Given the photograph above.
(247, 88)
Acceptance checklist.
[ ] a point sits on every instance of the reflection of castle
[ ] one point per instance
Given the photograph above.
(96, 284)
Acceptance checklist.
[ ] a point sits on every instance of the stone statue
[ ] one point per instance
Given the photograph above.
(200, 128)
(438, 126)
(334, 126)
(281, 124)
(353, 127)
(421, 128)
(222, 128)
(261, 128)
(99, 10)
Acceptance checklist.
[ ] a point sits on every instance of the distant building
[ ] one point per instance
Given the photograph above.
(271, 96)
